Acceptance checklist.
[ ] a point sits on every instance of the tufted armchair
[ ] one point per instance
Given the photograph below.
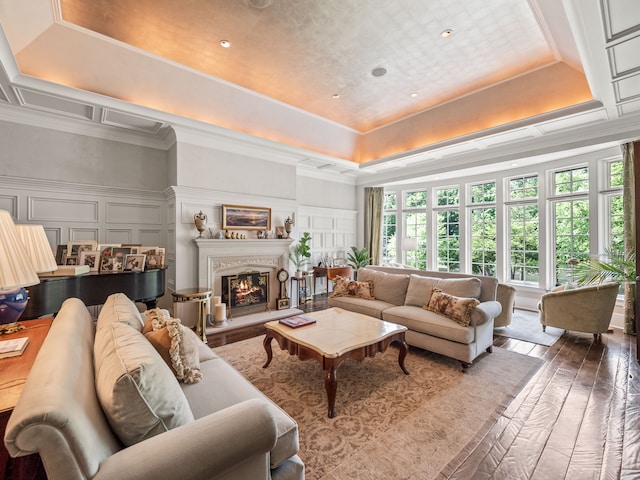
(584, 309)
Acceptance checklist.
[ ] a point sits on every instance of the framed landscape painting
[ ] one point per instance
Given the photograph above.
(245, 218)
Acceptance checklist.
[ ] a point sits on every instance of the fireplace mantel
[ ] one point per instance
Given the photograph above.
(228, 256)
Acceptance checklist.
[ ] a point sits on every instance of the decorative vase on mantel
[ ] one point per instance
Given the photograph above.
(200, 219)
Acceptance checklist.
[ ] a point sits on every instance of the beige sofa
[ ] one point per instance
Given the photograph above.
(399, 297)
(218, 428)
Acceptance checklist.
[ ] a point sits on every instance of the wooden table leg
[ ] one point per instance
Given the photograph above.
(267, 346)
(404, 349)
(331, 385)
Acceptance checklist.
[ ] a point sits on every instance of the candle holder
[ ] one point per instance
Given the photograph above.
(219, 314)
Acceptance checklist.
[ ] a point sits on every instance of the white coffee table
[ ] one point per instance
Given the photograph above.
(337, 335)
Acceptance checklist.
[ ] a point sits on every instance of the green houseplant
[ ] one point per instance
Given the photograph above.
(301, 252)
(616, 265)
(619, 266)
(358, 258)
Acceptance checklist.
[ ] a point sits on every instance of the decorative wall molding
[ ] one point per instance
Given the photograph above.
(71, 211)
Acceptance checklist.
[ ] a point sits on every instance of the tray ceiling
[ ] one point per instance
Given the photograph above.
(303, 72)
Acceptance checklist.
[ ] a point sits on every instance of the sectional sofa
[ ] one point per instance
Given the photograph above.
(403, 296)
(102, 403)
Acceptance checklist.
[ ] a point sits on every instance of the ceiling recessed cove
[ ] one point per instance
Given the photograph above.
(379, 72)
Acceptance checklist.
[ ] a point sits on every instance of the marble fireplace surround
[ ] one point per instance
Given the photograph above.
(218, 258)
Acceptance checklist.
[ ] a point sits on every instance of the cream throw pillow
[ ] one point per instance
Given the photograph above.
(139, 394)
(119, 308)
(176, 344)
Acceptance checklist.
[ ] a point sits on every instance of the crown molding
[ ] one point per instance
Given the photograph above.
(65, 188)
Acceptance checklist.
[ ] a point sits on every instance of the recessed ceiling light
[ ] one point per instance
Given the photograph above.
(379, 72)
(259, 3)
(446, 33)
(335, 95)
(225, 43)
(413, 94)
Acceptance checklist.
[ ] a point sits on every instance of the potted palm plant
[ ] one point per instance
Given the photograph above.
(619, 266)
(358, 258)
(301, 253)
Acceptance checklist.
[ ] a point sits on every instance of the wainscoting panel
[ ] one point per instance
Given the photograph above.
(132, 213)
(150, 237)
(115, 235)
(333, 232)
(323, 222)
(53, 235)
(71, 212)
(76, 234)
(9, 203)
(42, 209)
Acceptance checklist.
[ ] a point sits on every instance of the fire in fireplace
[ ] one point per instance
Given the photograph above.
(246, 289)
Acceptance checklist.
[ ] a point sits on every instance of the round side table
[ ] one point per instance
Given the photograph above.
(197, 295)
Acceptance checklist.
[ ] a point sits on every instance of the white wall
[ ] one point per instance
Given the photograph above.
(209, 176)
(35, 152)
(82, 187)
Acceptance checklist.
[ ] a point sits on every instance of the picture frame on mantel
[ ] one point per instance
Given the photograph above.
(246, 218)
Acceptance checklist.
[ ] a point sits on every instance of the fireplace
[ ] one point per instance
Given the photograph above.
(245, 289)
(220, 259)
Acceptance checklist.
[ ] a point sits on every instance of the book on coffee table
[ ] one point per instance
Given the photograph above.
(297, 321)
(13, 347)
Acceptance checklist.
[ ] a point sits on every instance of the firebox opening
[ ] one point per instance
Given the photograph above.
(246, 292)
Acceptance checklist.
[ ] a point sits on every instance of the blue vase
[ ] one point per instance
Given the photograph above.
(12, 304)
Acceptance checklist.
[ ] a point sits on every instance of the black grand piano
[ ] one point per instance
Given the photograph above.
(93, 288)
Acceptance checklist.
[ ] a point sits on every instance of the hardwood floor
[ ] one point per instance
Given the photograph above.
(577, 418)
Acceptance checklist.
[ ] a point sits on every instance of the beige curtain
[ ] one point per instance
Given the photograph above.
(373, 204)
(629, 234)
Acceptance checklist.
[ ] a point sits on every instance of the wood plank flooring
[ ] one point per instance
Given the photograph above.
(577, 418)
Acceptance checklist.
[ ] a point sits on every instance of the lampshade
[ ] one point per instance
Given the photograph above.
(16, 272)
(16, 267)
(410, 243)
(37, 245)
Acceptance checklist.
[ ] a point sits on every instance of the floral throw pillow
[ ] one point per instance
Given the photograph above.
(344, 287)
(455, 308)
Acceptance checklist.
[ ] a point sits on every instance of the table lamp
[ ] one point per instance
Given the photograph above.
(37, 246)
(16, 272)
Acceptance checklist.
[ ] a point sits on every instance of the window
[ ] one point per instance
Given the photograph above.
(615, 206)
(524, 243)
(448, 229)
(483, 229)
(525, 187)
(415, 227)
(571, 181)
(523, 229)
(571, 236)
(448, 196)
(483, 192)
(571, 221)
(448, 241)
(546, 214)
(389, 227)
(415, 199)
(615, 174)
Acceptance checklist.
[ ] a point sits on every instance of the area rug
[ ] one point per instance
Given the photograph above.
(526, 326)
(387, 424)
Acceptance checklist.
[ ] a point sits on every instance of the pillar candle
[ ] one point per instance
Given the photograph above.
(220, 312)
(217, 300)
